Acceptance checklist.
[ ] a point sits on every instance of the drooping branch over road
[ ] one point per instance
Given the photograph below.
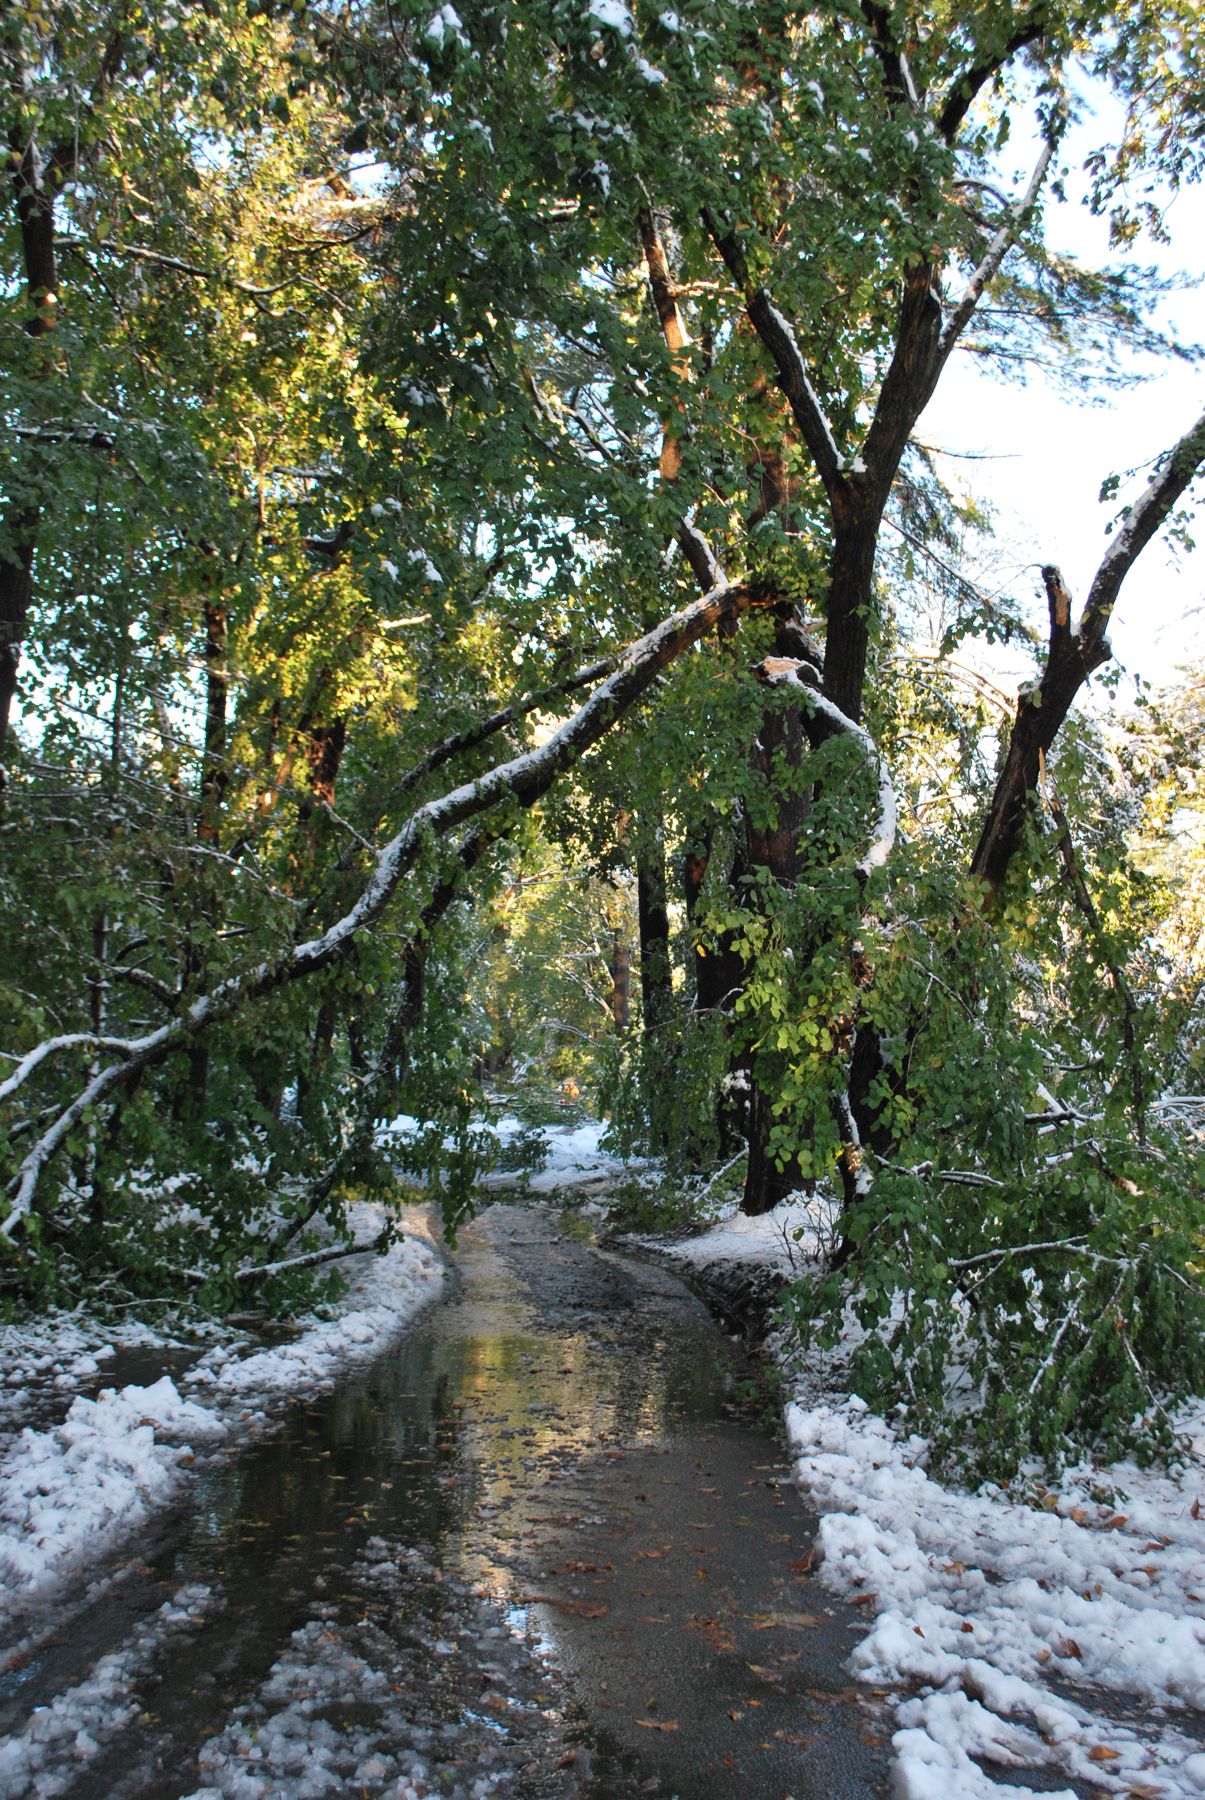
(523, 779)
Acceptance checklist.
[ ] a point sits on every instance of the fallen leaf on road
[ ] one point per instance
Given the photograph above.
(657, 1724)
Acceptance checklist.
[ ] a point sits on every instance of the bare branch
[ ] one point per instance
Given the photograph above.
(989, 267)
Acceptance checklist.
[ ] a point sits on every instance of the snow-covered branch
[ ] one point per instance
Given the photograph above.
(697, 550)
(1073, 652)
(997, 250)
(781, 671)
(1142, 521)
(71, 1040)
(474, 735)
(524, 778)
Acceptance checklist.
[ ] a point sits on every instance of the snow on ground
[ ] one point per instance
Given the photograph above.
(996, 1609)
(572, 1157)
(1066, 1636)
(66, 1493)
(410, 1684)
(46, 1362)
(60, 1740)
(783, 1240)
(73, 1491)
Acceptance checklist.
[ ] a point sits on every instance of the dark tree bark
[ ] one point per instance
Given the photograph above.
(1073, 652)
(718, 969)
(37, 174)
(777, 756)
(323, 746)
(621, 978)
(322, 750)
(193, 1093)
(34, 202)
(16, 597)
(652, 908)
(215, 772)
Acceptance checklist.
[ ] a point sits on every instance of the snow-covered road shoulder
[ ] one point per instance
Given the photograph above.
(982, 1601)
(76, 1490)
(1066, 1635)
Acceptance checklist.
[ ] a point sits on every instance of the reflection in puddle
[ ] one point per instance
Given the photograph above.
(394, 1576)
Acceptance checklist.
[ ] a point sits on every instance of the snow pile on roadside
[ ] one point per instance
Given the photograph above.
(44, 1362)
(980, 1598)
(75, 1491)
(93, 1478)
(784, 1240)
(381, 1301)
(62, 1739)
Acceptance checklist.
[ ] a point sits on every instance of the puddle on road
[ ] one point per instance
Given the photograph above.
(532, 1551)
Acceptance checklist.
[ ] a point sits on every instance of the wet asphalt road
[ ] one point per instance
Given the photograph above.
(667, 1552)
(539, 1549)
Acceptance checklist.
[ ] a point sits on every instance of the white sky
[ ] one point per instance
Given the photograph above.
(1048, 454)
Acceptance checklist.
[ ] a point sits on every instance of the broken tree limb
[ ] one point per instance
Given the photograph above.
(483, 729)
(523, 778)
(1073, 653)
(782, 671)
(403, 1019)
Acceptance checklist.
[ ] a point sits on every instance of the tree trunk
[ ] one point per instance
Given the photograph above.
(777, 756)
(16, 595)
(848, 610)
(323, 747)
(215, 774)
(621, 978)
(35, 217)
(656, 975)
